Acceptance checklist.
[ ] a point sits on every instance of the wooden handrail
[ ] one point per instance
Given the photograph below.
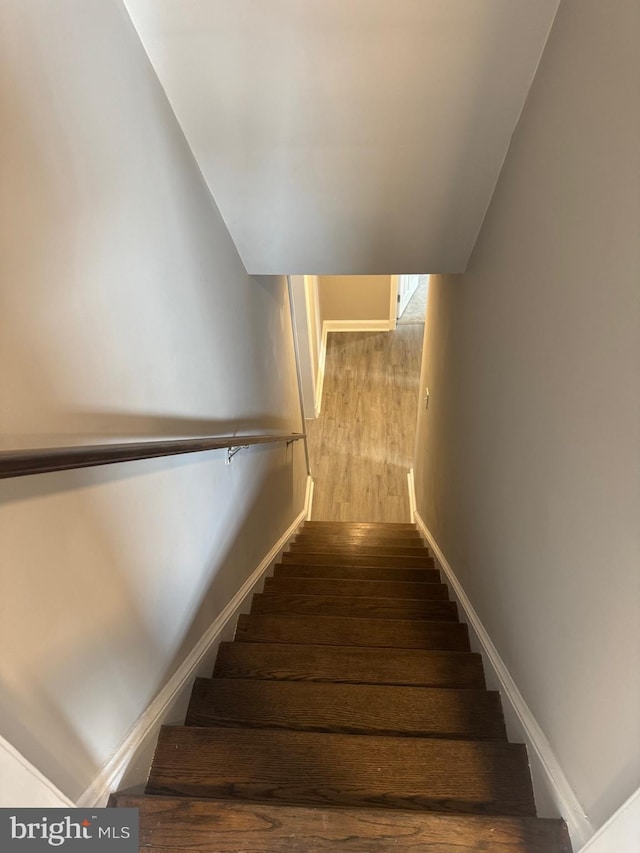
(20, 463)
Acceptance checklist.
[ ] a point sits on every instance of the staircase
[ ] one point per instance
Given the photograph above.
(349, 714)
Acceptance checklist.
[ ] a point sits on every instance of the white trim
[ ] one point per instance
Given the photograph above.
(412, 495)
(321, 365)
(355, 326)
(308, 499)
(23, 786)
(621, 833)
(547, 774)
(305, 371)
(313, 323)
(109, 777)
(394, 286)
(407, 294)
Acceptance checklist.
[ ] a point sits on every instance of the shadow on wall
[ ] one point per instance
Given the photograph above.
(125, 311)
(92, 625)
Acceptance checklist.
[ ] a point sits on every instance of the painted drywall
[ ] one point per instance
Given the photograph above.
(354, 297)
(348, 137)
(621, 833)
(20, 782)
(305, 344)
(125, 311)
(527, 458)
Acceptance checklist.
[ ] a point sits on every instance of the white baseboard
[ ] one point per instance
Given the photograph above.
(356, 326)
(621, 833)
(554, 794)
(179, 685)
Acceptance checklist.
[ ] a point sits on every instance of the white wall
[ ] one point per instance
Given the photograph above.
(125, 310)
(348, 137)
(20, 782)
(621, 833)
(527, 459)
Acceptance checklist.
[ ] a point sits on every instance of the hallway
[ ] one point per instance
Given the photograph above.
(361, 445)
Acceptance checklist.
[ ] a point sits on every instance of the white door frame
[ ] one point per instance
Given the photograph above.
(302, 309)
(407, 286)
(393, 301)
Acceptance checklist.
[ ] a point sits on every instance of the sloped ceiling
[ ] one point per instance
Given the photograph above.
(348, 136)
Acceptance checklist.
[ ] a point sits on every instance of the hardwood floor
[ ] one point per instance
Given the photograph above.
(361, 445)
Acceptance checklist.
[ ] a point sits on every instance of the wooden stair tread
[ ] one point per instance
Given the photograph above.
(354, 587)
(349, 708)
(349, 664)
(358, 525)
(372, 573)
(223, 826)
(368, 538)
(348, 714)
(349, 551)
(388, 530)
(486, 777)
(336, 559)
(348, 631)
(343, 605)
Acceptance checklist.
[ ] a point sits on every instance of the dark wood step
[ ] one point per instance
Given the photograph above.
(338, 528)
(348, 708)
(366, 588)
(346, 631)
(366, 573)
(320, 559)
(356, 526)
(343, 605)
(483, 777)
(178, 824)
(350, 551)
(411, 538)
(349, 664)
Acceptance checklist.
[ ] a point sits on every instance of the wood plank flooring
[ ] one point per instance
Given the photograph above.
(361, 445)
